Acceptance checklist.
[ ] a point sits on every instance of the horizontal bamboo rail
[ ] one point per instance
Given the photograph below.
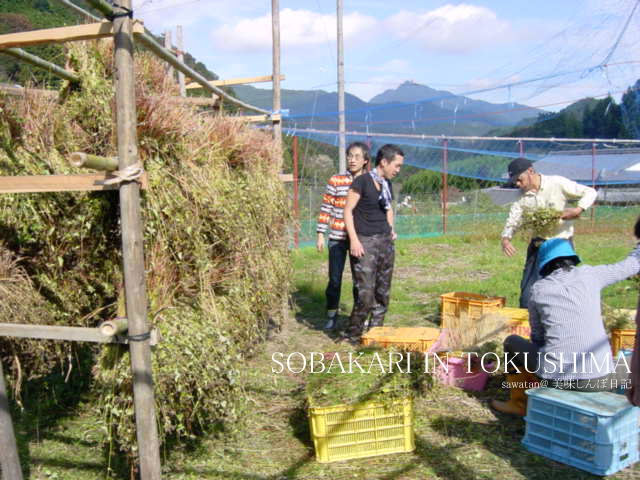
(90, 31)
(72, 334)
(286, 177)
(212, 101)
(39, 62)
(235, 81)
(21, 91)
(261, 118)
(60, 183)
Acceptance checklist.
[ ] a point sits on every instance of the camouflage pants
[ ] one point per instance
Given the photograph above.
(372, 275)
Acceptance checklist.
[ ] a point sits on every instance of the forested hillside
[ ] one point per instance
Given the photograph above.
(589, 118)
(23, 15)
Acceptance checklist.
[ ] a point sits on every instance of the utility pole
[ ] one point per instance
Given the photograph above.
(275, 32)
(180, 45)
(342, 156)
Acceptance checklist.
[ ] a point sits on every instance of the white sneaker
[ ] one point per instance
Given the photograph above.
(331, 323)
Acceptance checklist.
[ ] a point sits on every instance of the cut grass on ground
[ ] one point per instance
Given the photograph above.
(458, 437)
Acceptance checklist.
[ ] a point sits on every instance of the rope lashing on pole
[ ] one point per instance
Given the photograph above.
(129, 174)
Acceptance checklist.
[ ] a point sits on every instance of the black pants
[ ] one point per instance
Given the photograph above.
(530, 273)
(338, 251)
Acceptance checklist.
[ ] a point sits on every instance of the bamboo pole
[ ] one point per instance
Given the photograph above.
(180, 45)
(277, 104)
(593, 183)
(235, 81)
(445, 192)
(9, 459)
(260, 118)
(132, 251)
(103, 7)
(86, 182)
(342, 145)
(79, 10)
(73, 33)
(21, 91)
(295, 191)
(167, 45)
(69, 334)
(39, 62)
(114, 327)
(86, 160)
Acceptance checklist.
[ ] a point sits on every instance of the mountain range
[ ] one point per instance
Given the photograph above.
(411, 107)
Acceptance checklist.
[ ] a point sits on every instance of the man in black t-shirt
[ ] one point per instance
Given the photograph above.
(369, 221)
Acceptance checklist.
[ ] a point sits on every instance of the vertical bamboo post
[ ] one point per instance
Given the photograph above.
(295, 191)
(593, 184)
(132, 251)
(342, 154)
(9, 459)
(277, 104)
(445, 193)
(180, 45)
(168, 46)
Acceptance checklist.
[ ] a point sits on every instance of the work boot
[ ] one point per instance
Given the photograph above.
(517, 403)
(332, 320)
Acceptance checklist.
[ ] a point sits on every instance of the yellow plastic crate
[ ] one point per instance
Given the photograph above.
(474, 305)
(345, 432)
(416, 339)
(622, 339)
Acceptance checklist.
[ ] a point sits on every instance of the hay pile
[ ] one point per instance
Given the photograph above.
(483, 335)
(215, 245)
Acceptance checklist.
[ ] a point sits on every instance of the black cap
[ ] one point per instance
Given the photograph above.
(515, 168)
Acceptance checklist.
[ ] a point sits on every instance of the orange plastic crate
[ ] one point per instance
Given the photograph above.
(473, 305)
(622, 339)
(415, 339)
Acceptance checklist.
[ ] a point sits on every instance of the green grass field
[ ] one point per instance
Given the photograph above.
(458, 437)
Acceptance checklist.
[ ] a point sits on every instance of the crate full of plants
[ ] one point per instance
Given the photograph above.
(363, 411)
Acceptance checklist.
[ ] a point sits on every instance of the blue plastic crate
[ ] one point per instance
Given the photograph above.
(596, 432)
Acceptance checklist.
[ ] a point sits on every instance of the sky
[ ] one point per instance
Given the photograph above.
(546, 53)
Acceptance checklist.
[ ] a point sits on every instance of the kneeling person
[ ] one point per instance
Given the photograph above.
(569, 346)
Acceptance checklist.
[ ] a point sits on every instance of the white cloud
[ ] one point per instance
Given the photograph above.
(161, 14)
(396, 65)
(451, 28)
(299, 29)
